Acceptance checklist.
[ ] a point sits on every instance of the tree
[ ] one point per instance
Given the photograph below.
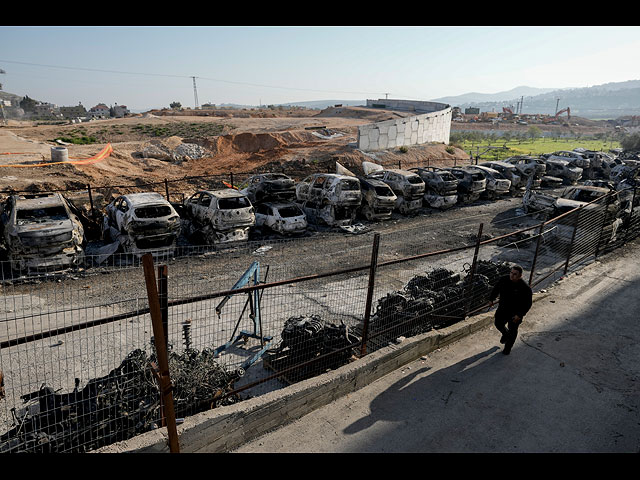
(631, 142)
(28, 104)
(175, 105)
(534, 132)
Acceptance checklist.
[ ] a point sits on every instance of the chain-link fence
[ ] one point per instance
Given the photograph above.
(111, 350)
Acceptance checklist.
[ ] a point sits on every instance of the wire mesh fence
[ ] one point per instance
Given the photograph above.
(83, 355)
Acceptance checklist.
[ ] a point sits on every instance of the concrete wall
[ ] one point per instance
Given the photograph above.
(415, 130)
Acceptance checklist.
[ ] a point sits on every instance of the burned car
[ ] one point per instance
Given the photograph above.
(497, 184)
(219, 216)
(510, 172)
(441, 187)
(40, 231)
(142, 222)
(282, 218)
(471, 183)
(569, 173)
(329, 198)
(529, 167)
(270, 187)
(572, 157)
(378, 200)
(407, 186)
(605, 217)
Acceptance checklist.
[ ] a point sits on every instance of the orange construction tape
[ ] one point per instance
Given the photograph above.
(104, 153)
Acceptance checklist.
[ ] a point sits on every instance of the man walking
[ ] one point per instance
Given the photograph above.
(515, 301)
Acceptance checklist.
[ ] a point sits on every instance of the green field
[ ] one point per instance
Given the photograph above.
(499, 148)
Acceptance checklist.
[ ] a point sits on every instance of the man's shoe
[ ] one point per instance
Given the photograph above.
(506, 352)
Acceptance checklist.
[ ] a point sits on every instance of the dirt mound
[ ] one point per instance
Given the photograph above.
(255, 142)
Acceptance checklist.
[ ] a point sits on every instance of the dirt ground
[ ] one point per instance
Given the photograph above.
(297, 145)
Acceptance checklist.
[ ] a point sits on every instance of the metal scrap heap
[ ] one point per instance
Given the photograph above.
(312, 346)
(118, 406)
(435, 300)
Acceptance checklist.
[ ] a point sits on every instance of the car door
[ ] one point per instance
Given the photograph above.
(122, 207)
(205, 204)
(191, 205)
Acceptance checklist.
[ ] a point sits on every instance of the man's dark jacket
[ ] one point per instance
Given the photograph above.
(515, 297)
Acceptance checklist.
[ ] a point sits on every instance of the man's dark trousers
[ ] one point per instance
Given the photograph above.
(505, 324)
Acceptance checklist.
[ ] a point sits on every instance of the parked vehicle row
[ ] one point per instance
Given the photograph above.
(43, 230)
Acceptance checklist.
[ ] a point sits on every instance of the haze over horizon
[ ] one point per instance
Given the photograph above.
(150, 67)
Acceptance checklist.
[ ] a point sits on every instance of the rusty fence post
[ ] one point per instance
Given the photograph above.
(166, 188)
(231, 178)
(163, 298)
(166, 388)
(473, 271)
(367, 309)
(535, 255)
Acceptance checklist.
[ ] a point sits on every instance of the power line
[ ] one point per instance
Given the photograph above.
(187, 76)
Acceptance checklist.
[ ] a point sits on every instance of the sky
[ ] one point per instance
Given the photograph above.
(150, 67)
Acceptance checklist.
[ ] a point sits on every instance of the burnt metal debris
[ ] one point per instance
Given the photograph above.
(312, 346)
(435, 300)
(118, 406)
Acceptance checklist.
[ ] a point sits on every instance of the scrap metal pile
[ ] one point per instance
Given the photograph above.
(118, 406)
(306, 338)
(435, 300)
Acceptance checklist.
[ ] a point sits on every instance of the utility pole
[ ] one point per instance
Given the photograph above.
(195, 91)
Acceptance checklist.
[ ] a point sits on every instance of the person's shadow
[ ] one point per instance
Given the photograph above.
(394, 404)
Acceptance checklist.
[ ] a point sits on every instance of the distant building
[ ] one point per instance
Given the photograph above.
(120, 111)
(99, 111)
(471, 111)
(74, 112)
(43, 110)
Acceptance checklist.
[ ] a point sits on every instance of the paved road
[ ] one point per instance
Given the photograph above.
(570, 384)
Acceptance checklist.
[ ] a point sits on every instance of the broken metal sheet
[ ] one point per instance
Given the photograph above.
(370, 167)
(341, 170)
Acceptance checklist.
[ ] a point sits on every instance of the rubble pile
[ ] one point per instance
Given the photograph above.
(118, 406)
(435, 300)
(170, 153)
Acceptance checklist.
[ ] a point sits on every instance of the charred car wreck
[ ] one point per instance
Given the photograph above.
(141, 223)
(41, 232)
(441, 187)
(407, 186)
(219, 216)
(378, 200)
(329, 198)
(270, 187)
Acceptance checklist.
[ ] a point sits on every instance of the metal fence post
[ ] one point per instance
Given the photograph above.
(166, 188)
(372, 276)
(535, 255)
(163, 359)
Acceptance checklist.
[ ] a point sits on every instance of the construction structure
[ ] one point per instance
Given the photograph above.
(432, 123)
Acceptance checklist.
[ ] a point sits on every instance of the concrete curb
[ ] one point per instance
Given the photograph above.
(226, 428)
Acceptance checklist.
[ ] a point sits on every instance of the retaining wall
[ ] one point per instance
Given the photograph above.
(434, 126)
